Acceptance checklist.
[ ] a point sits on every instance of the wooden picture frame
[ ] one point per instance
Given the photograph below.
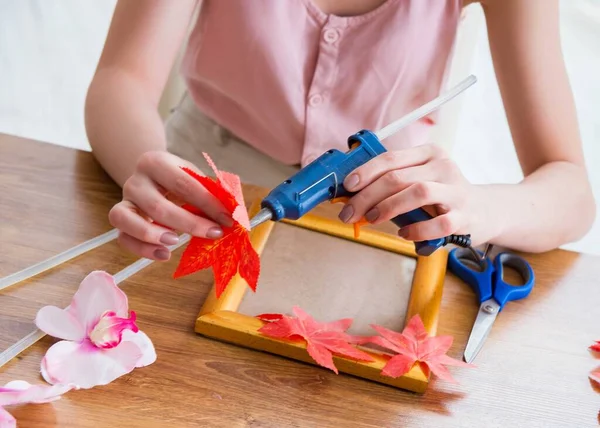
(219, 319)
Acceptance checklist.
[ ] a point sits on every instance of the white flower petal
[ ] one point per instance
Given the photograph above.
(59, 323)
(86, 366)
(142, 340)
(21, 392)
(7, 420)
(97, 294)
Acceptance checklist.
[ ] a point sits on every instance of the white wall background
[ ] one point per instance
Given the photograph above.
(49, 49)
(483, 146)
(48, 54)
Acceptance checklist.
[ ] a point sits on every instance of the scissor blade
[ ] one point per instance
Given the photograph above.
(488, 311)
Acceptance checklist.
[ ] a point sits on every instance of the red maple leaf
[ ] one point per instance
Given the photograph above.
(594, 377)
(232, 184)
(322, 339)
(216, 188)
(269, 317)
(228, 255)
(415, 346)
(233, 252)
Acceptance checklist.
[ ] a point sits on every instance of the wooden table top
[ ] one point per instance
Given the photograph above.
(532, 371)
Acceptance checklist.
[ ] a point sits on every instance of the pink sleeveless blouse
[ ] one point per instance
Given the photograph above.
(293, 82)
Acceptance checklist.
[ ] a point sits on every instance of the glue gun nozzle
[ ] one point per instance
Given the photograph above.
(262, 216)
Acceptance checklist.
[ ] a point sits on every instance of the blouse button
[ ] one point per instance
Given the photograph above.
(331, 36)
(315, 100)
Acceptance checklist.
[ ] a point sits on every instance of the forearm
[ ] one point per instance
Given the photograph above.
(551, 207)
(121, 123)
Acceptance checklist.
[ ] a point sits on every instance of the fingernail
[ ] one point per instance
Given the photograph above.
(346, 213)
(214, 233)
(162, 254)
(402, 233)
(372, 215)
(169, 238)
(352, 181)
(225, 219)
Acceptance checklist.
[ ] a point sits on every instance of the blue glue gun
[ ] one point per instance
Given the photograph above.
(322, 180)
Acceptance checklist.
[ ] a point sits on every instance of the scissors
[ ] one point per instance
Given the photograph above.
(486, 278)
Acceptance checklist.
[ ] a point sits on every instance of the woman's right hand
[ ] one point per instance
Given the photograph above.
(154, 193)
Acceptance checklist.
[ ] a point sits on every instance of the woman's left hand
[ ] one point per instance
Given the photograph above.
(400, 181)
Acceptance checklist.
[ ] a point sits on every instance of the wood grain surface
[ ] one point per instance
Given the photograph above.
(532, 371)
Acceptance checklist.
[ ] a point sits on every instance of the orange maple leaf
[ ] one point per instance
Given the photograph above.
(415, 346)
(322, 339)
(233, 252)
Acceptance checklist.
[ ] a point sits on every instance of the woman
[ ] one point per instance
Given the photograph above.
(272, 84)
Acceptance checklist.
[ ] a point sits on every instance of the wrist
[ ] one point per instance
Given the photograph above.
(490, 217)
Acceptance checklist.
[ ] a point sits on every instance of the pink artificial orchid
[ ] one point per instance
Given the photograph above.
(21, 392)
(101, 340)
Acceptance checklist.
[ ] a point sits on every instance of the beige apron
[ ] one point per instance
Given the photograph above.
(189, 133)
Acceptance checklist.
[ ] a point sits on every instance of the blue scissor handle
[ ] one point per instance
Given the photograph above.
(505, 292)
(461, 264)
(488, 281)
